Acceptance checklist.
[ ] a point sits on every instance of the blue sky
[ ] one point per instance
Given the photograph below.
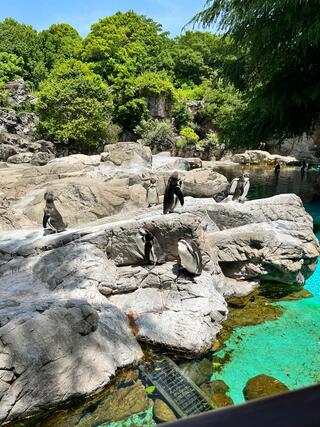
(172, 14)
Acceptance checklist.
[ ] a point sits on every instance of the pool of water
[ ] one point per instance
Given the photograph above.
(287, 348)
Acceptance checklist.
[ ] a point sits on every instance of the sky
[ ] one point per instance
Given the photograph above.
(172, 14)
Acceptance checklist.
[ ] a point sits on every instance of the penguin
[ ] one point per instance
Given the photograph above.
(239, 187)
(152, 196)
(300, 278)
(190, 257)
(146, 243)
(277, 169)
(172, 194)
(304, 167)
(52, 218)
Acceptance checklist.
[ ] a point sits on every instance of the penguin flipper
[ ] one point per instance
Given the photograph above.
(45, 219)
(233, 186)
(245, 189)
(178, 193)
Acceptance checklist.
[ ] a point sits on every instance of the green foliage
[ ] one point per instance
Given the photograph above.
(211, 139)
(190, 135)
(152, 83)
(126, 44)
(11, 67)
(279, 42)
(181, 142)
(58, 43)
(156, 133)
(22, 41)
(74, 105)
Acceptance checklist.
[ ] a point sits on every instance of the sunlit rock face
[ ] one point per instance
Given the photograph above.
(75, 306)
(256, 157)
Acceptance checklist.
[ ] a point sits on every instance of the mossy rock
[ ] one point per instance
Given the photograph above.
(216, 386)
(216, 393)
(198, 371)
(162, 412)
(220, 400)
(263, 386)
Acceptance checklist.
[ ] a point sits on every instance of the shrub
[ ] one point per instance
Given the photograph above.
(159, 134)
(189, 134)
(211, 139)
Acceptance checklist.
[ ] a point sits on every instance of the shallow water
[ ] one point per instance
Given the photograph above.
(287, 348)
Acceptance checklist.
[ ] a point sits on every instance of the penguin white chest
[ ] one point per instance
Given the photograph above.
(188, 260)
(152, 196)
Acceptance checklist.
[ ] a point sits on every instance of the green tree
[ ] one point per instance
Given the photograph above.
(280, 42)
(58, 43)
(125, 45)
(11, 67)
(22, 41)
(74, 106)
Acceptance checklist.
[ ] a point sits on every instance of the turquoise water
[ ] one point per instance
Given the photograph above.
(287, 348)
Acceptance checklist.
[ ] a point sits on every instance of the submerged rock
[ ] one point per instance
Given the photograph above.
(216, 392)
(198, 371)
(263, 386)
(162, 412)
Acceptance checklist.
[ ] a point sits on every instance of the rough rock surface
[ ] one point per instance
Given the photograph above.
(306, 147)
(162, 412)
(127, 154)
(75, 305)
(260, 156)
(263, 386)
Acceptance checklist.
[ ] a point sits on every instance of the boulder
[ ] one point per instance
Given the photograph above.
(19, 94)
(162, 412)
(60, 338)
(203, 183)
(198, 371)
(263, 386)
(216, 392)
(41, 158)
(262, 157)
(127, 154)
(6, 151)
(20, 158)
(239, 292)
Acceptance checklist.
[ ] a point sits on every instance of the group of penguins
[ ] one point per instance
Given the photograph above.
(190, 259)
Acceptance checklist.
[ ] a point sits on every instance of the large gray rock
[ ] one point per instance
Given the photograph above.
(179, 314)
(127, 154)
(262, 157)
(59, 337)
(6, 151)
(203, 183)
(20, 158)
(74, 304)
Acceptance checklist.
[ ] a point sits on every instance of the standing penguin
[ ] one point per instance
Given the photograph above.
(172, 194)
(52, 218)
(152, 196)
(277, 169)
(239, 187)
(147, 245)
(190, 257)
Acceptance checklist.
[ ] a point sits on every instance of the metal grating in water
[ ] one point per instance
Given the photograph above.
(181, 393)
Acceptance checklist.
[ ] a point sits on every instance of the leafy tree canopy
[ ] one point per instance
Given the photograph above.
(59, 42)
(280, 42)
(22, 41)
(125, 44)
(74, 105)
(11, 67)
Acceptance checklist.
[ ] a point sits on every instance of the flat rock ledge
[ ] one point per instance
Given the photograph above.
(74, 306)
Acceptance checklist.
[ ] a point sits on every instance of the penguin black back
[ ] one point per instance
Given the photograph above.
(172, 189)
(52, 216)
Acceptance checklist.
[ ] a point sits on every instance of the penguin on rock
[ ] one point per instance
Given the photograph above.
(240, 187)
(190, 257)
(147, 246)
(52, 219)
(172, 194)
(152, 196)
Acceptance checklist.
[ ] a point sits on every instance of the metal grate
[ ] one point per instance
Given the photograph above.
(180, 392)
